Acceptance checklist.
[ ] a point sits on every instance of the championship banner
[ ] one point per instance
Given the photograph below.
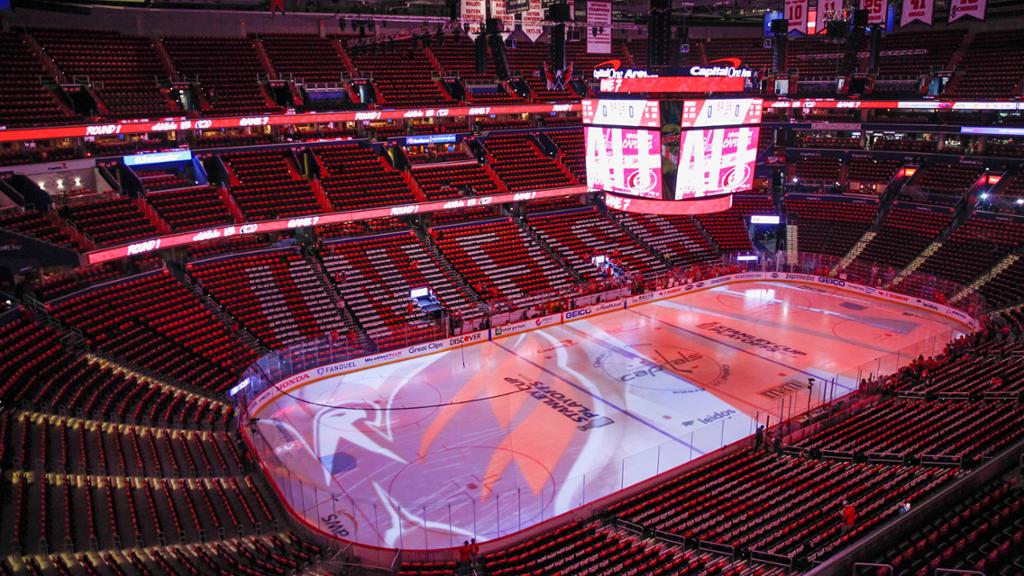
(876, 10)
(960, 8)
(827, 10)
(796, 13)
(599, 28)
(473, 13)
(917, 10)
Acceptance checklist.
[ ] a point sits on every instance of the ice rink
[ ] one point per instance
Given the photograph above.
(485, 440)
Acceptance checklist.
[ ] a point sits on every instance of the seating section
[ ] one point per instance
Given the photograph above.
(909, 56)
(974, 247)
(274, 294)
(750, 51)
(44, 226)
(501, 263)
(912, 429)
(993, 370)
(355, 177)
(580, 235)
(111, 220)
(983, 533)
(125, 71)
(41, 373)
(906, 231)
(829, 227)
(24, 100)
(191, 208)
(154, 180)
(818, 170)
(127, 514)
(522, 165)
(450, 180)
(63, 445)
(374, 276)
(457, 57)
(950, 179)
(227, 70)
(402, 74)
(992, 67)
(729, 228)
(63, 283)
(158, 324)
(1006, 288)
(871, 171)
(677, 238)
(573, 155)
(778, 504)
(305, 58)
(270, 186)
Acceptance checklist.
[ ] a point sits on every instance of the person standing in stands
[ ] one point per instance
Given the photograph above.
(759, 437)
(848, 516)
(464, 558)
(474, 554)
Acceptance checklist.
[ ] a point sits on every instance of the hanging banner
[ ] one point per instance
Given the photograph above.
(599, 28)
(876, 10)
(474, 12)
(917, 10)
(796, 13)
(827, 10)
(973, 8)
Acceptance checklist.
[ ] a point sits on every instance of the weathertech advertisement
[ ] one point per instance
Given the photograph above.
(719, 161)
(624, 160)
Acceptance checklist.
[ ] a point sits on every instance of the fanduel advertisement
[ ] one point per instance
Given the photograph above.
(624, 160)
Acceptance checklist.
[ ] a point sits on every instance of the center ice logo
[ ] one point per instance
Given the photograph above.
(664, 368)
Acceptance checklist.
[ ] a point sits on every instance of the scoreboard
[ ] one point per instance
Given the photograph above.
(672, 150)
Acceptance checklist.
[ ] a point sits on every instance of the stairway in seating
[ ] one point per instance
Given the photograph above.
(526, 228)
(984, 278)
(439, 258)
(916, 263)
(625, 230)
(960, 215)
(317, 266)
(885, 204)
(855, 251)
(178, 272)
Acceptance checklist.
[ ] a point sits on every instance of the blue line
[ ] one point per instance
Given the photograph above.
(589, 393)
(737, 348)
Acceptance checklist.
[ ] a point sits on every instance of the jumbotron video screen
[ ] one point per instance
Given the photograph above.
(671, 149)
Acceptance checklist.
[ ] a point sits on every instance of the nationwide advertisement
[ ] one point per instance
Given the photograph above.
(718, 161)
(624, 160)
